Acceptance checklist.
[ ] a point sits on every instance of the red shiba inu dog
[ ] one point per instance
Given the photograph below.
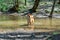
(30, 19)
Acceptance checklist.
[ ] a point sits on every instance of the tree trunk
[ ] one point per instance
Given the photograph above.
(52, 9)
(16, 5)
(59, 2)
(25, 2)
(35, 5)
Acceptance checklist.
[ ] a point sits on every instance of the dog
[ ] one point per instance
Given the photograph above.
(30, 19)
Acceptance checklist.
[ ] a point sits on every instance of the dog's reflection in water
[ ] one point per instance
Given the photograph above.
(30, 21)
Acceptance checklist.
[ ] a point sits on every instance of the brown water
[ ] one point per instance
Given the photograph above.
(39, 24)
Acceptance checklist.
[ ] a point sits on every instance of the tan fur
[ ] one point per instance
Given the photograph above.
(30, 19)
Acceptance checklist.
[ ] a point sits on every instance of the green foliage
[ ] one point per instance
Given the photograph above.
(56, 11)
(47, 11)
(21, 8)
(54, 33)
(6, 4)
